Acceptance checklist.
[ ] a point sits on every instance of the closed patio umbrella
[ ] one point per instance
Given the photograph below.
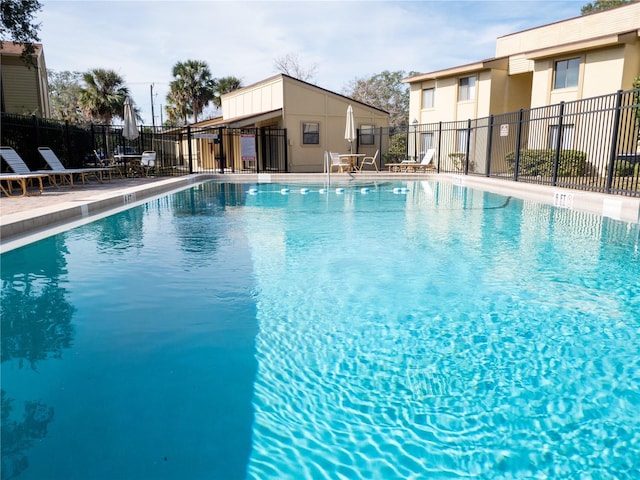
(350, 129)
(130, 130)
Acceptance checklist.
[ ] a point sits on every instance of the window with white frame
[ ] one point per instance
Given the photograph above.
(467, 89)
(367, 134)
(428, 95)
(568, 132)
(310, 133)
(566, 73)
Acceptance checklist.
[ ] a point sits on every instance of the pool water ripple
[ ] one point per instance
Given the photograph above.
(504, 366)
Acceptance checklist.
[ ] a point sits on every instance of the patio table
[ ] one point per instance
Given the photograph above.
(133, 159)
(353, 159)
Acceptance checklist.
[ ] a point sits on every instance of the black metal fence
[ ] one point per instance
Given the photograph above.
(591, 144)
(26, 133)
(178, 150)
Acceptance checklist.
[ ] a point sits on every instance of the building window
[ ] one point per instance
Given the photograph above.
(467, 89)
(310, 133)
(463, 134)
(367, 134)
(568, 132)
(426, 141)
(427, 97)
(567, 73)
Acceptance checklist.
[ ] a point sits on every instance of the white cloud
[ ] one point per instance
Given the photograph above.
(142, 40)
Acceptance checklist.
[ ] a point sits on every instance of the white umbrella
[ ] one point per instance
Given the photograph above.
(130, 130)
(350, 129)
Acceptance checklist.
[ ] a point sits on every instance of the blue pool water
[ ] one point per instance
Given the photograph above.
(404, 331)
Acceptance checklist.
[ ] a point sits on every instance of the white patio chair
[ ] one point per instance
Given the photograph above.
(148, 162)
(339, 163)
(370, 161)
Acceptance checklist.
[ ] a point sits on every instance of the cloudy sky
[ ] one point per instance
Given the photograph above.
(143, 39)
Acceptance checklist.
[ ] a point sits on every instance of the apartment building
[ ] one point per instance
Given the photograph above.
(578, 58)
(24, 88)
(561, 63)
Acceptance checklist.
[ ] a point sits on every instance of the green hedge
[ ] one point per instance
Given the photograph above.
(623, 168)
(572, 163)
(397, 149)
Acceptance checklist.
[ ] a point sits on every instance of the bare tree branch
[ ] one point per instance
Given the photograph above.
(290, 64)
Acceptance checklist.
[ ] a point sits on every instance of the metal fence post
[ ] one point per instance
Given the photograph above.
(220, 150)
(518, 141)
(257, 144)
(286, 152)
(468, 148)
(67, 146)
(489, 146)
(93, 137)
(614, 142)
(36, 129)
(556, 156)
(406, 153)
(439, 146)
(189, 149)
(379, 160)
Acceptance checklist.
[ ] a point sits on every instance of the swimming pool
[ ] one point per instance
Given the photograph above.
(384, 330)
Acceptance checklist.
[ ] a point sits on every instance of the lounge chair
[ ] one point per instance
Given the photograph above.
(426, 164)
(66, 174)
(338, 162)
(22, 175)
(409, 166)
(23, 181)
(370, 161)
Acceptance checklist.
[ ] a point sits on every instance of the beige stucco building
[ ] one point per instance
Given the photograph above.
(578, 58)
(314, 120)
(25, 89)
(564, 62)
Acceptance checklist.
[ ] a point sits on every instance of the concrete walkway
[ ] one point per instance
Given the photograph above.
(52, 196)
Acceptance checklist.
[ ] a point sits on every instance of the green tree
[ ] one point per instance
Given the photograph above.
(385, 91)
(18, 25)
(225, 85)
(103, 95)
(600, 5)
(192, 89)
(64, 96)
(177, 110)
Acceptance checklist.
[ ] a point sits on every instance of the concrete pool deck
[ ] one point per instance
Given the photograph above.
(23, 219)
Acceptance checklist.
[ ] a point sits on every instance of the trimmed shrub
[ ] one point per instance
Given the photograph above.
(397, 149)
(572, 163)
(624, 168)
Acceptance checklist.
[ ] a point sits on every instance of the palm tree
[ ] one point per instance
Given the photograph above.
(192, 88)
(177, 108)
(225, 85)
(103, 95)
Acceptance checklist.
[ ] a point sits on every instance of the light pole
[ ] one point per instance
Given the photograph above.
(153, 118)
